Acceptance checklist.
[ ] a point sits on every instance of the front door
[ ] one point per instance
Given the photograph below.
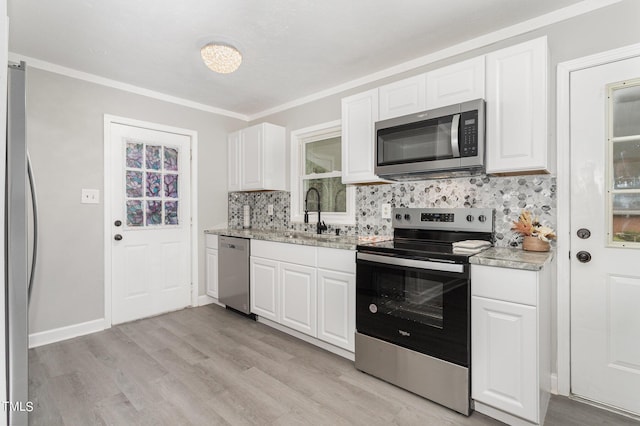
(150, 218)
(605, 234)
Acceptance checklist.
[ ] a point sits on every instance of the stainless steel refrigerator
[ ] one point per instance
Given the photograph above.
(18, 265)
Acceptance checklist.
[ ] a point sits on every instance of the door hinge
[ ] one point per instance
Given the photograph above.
(569, 254)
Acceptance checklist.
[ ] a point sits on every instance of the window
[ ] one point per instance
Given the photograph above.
(316, 168)
(624, 164)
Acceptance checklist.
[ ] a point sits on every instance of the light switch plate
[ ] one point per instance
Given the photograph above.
(386, 211)
(90, 196)
(270, 209)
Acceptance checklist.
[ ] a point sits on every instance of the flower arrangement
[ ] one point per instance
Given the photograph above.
(530, 227)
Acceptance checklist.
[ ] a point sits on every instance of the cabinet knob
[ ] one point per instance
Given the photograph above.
(117, 237)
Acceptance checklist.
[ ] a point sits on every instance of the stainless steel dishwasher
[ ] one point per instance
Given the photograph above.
(233, 273)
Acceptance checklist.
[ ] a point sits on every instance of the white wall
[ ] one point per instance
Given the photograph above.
(65, 139)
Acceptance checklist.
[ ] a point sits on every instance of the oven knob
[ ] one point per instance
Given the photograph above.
(398, 216)
(373, 308)
(407, 217)
(482, 218)
(469, 218)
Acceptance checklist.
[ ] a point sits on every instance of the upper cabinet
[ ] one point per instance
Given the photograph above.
(402, 97)
(516, 95)
(359, 114)
(256, 158)
(513, 82)
(460, 82)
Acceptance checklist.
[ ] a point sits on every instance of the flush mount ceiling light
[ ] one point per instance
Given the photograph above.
(221, 58)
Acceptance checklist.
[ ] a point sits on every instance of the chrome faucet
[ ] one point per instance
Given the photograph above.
(320, 226)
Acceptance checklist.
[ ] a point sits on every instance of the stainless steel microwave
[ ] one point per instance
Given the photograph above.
(442, 142)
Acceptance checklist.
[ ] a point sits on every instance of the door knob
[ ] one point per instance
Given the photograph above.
(117, 237)
(583, 256)
(583, 233)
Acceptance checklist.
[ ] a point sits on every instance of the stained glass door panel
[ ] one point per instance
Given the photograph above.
(151, 185)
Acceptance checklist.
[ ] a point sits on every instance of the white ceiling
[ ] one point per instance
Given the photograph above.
(291, 48)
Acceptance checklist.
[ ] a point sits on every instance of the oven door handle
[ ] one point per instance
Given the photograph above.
(412, 263)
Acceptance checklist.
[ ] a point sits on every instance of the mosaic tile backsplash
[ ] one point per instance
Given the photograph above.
(507, 195)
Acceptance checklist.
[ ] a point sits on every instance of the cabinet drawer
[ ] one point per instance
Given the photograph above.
(284, 252)
(211, 241)
(510, 285)
(337, 259)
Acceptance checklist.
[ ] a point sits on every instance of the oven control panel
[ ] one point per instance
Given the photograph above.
(460, 219)
(437, 217)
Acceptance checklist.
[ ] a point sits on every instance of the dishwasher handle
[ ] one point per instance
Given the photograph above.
(231, 246)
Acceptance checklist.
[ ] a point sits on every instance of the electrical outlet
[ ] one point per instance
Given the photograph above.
(270, 209)
(386, 211)
(90, 196)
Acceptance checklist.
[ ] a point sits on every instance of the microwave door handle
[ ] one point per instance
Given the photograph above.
(455, 125)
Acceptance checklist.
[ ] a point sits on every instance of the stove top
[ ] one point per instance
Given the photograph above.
(429, 234)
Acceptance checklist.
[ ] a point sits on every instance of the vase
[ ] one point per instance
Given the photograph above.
(534, 244)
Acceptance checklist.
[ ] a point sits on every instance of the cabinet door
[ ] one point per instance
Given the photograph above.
(233, 162)
(456, 83)
(298, 297)
(402, 97)
(252, 155)
(504, 356)
(516, 123)
(264, 288)
(211, 272)
(336, 308)
(359, 114)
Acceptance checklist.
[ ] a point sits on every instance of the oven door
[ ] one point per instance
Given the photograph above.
(420, 305)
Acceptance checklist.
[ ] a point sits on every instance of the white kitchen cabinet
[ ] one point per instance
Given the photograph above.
(263, 288)
(456, 83)
(359, 114)
(233, 161)
(336, 308)
(402, 97)
(307, 289)
(516, 109)
(298, 295)
(256, 158)
(511, 343)
(211, 265)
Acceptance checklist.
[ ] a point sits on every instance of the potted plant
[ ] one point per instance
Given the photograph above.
(535, 235)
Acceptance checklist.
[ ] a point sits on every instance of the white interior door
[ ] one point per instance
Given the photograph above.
(605, 200)
(150, 217)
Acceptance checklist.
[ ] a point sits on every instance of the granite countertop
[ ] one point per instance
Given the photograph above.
(297, 237)
(512, 258)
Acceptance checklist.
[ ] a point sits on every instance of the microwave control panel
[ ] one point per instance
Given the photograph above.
(469, 134)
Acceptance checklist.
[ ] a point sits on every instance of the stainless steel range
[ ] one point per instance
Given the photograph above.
(413, 303)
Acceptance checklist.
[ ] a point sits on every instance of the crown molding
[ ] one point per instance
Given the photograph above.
(92, 78)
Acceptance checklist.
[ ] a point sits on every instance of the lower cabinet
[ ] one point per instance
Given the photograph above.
(211, 265)
(298, 297)
(336, 308)
(510, 343)
(263, 288)
(305, 288)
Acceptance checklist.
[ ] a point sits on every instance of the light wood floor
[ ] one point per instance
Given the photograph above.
(207, 366)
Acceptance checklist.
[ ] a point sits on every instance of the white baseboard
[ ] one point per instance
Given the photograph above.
(64, 333)
(207, 300)
(554, 383)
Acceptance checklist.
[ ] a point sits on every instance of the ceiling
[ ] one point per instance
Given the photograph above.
(291, 48)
